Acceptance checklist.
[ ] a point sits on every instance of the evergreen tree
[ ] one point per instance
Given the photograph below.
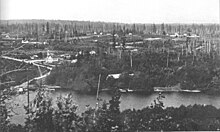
(134, 29)
(163, 29)
(179, 29)
(48, 28)
(114, 112)
(37, 37)
(113, 37)
(154, 29)
(124, 37)
(43, 28)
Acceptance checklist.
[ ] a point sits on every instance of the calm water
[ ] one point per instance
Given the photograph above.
(128, 101)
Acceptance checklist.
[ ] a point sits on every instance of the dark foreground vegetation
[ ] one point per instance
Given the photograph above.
(43, 116)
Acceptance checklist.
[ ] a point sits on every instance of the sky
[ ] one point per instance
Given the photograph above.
(123, 11)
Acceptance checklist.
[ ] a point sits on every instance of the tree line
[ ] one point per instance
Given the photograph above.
(59, 29)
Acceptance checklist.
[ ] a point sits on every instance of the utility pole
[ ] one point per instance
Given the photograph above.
(28, 94)
(193, 49)
(97, 99)
(131, 59)
(168, 58)
(97, 94)
(182, 49)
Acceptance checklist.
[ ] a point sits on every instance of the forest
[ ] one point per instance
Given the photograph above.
(150, 70)
(151, 66)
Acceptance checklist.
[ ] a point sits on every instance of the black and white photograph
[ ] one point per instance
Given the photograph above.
(109, 65)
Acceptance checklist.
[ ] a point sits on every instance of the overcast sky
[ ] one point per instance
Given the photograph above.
(126, 11)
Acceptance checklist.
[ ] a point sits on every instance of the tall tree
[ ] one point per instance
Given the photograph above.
(37, 36)
(179, 29)
(169, 28)
(43, 28)
(144, 27)
(48, 27)
(154, 28)
(163, 29)
(123, 38)
(113, 37)
(134, 29)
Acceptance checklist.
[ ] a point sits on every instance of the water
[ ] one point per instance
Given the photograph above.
(128, 101)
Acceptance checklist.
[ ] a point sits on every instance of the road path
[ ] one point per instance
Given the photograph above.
(23, 85)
